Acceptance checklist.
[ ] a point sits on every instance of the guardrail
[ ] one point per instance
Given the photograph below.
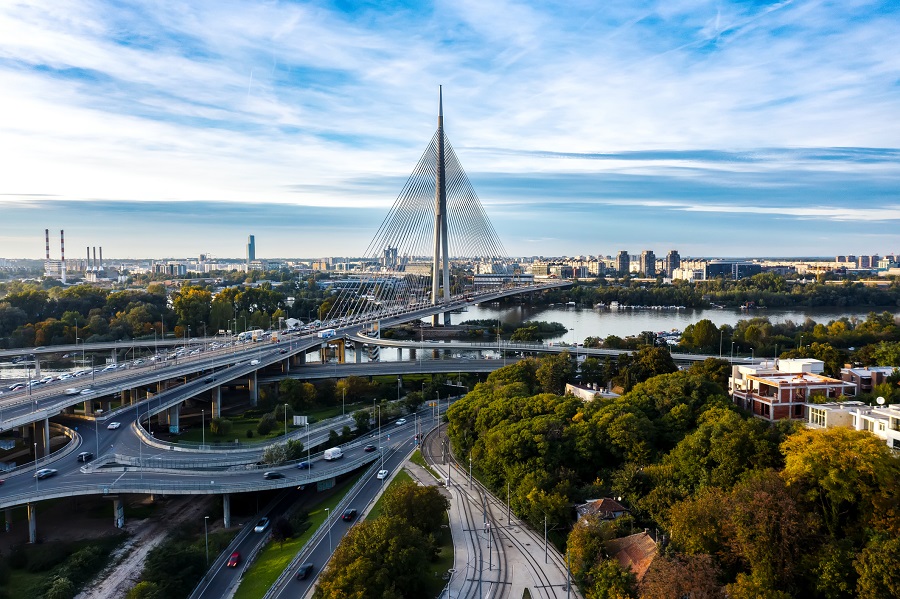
(59, 453)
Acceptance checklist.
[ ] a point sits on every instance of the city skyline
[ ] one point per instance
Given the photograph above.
(737, 129)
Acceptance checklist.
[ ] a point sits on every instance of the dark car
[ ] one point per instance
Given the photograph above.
(85, 456)
(283, 351)
(304, 571)
(304, 465)
(349, 515)
(370, 448)
(272, 475)
(209, 379)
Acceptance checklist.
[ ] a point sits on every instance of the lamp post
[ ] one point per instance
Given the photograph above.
(343, 401)
(731, 359)
(97, 435)
(35, 467)
(203, 427)
(285, 421)
(206, 534)
(328, 524)
(309, 463)
(721, 332)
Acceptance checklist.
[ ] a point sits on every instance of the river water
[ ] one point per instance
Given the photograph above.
(587, 322)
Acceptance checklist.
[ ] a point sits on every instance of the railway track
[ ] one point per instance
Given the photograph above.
(501, 549)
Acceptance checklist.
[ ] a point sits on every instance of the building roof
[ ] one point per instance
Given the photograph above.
(605, 508)
(635, 552)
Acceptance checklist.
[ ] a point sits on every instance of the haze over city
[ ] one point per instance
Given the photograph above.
(717, 128)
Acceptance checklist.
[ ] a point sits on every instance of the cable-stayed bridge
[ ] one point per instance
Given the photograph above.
(435, 244)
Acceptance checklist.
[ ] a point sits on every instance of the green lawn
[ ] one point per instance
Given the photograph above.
(275, 557)
(417, 458)
(241, 424)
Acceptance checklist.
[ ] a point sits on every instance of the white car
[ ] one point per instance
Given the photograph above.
(87, 391)
(113, 425)
(262, 525)
(382, 474)
(402, 421)
(72, 391)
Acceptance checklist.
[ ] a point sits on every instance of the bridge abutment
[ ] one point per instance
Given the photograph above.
(118, 512)
(42, 437)
(89, 407)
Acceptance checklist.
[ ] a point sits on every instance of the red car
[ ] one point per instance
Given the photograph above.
(234, 560)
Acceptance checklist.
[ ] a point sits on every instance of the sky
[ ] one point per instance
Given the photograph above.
(717, 128)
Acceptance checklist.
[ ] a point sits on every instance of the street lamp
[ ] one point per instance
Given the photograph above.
(343, 400)
(203, 427)
(206, 534)
(35, 468)
(328, 524)
(285, 421)
(721, 332)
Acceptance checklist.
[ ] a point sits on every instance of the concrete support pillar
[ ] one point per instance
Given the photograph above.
(174, 415)
(32, 524)
(217, 402)
(89, 407)
(412, 354)
(226, 510)
(254, 390)
(159, 387)
(115, 357)
(37, 368)
(285, 366)
(8, 518)
(399, 354)
(123, 396)
(107, 405)
(358, 352)
(301, 358)
(42, 437)
(118, 513)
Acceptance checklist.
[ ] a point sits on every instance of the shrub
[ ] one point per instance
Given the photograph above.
(249, 433)
(220, 426)
(60, 588)
(266, 425)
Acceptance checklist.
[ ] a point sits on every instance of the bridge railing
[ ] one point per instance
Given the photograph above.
(73, 444)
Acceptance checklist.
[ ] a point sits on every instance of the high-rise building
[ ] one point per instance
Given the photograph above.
(251, 250)
(623, 263)
(673, 261)
(648, 263)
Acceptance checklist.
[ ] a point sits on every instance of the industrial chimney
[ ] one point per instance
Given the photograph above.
(47, 237)
(95, 259)
(62, 256)
(87, 264)
(101, 259)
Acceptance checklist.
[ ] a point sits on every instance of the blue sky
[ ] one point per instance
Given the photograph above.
(163, 129)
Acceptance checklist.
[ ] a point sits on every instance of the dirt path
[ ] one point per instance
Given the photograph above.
(116, 581)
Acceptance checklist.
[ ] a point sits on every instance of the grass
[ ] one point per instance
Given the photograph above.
(444, 560)
(400, 477)
(275, 557)
(240, 426)
(417, 458)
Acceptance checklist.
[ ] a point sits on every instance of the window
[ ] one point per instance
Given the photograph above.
(817, 416)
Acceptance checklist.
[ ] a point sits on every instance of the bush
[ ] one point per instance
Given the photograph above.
(44, 557)
(4, 571)
(266, 425)
(249, 433)
(18, 559)
(60, 588)
(144, 590)
(220, 426)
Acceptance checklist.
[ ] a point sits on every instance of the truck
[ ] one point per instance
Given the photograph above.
(327, 333)
(335, 453)
(257, 334)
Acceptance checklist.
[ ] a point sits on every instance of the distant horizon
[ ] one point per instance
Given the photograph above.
(709, 126)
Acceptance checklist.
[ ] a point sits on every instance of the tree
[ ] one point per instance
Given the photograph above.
(554, 372)
(841, 473)
(593, 371)
(877, 568)
(384, 558)
(282, 530)
(276, 454)
(192, 305)
(362, 419)
(144, 590)
(60, 588)
(692, 576)
(220, 426)
(608, 580)
(421, 507)
(642, 365)
(266, 425)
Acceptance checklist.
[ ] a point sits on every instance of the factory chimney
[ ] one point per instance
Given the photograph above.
(87, 264)
(95, 258)
(47, 237)
(62, 256)
(101, 258)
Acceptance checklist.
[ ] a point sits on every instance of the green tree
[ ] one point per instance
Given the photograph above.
(362, 418)
(220, 426)
(266, 425)
(385, 557)
(841, 473)
(144, 590)
(422, 507)
(608, 580)
(554, 372)
(702, 336)
(642, 365)
(879, 576)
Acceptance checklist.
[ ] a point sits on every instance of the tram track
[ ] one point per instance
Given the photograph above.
(511, 541)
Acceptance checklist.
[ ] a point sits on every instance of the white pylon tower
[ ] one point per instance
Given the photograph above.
(441, 263)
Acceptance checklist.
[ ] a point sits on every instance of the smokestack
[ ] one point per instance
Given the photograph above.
(95, 257)
(47, 238)
(62, 255)
(87, 264)
(101, 257)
